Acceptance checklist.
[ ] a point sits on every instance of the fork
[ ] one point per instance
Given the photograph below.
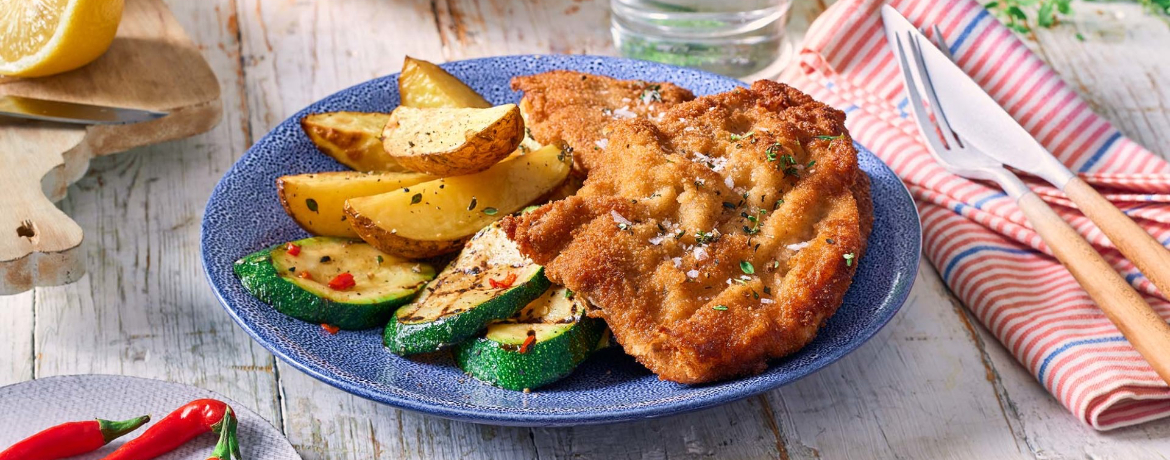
(1138, 322)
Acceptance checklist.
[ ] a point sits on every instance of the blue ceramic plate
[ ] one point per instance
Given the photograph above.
(243, 216)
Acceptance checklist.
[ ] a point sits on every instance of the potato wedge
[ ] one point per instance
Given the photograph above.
(423, 84)
(316, 202)
(452, 141)
(352, 138)
(436, 217)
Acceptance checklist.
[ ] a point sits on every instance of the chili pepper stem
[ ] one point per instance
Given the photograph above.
(114, 429)
(227, 435)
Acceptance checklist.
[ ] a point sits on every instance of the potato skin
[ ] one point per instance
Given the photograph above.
(393, 244)
(480, 151)
(352, 139)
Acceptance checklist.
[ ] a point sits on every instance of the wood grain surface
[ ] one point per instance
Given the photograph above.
(152, 65)
(932, 385)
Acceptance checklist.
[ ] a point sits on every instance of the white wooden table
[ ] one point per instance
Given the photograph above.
(933, 384)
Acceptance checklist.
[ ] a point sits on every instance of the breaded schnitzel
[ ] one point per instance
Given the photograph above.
(576, 108)
(715, 237)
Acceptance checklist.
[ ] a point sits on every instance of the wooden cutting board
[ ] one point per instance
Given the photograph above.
(153, 65)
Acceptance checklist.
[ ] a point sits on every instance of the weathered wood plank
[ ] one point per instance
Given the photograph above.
(919, 389)
(144, 309)
(743, 429)
(16, 337)
(478, 28)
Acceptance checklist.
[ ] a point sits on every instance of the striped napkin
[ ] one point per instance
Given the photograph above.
(975, 236)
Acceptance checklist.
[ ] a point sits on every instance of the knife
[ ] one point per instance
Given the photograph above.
(71, 112)
(975, 116)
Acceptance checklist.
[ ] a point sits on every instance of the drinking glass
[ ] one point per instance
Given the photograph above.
(738, 38)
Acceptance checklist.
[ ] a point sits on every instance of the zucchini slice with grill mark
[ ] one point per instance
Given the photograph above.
(490, 280)
(297, 283)
(539, 345)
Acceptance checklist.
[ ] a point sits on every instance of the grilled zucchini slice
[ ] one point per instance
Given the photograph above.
(490, 280)
(539, 345)
(295, 279)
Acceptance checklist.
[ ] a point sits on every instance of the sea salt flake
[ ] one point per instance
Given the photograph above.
(798, 246)
(602, 143)
(619, 218)
(693, 274)
(624, 112)
(767, 301)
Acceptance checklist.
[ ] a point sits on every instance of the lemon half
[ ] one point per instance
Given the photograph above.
(44, 37)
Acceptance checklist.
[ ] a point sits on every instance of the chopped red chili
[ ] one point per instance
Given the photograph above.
(528, 342)
(330, 328)
(506, 283)
(305, 275)
(342, 282)
(292, 249)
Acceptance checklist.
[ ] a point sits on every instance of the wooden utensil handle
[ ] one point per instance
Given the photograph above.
(1138, 246)
(1146, 331)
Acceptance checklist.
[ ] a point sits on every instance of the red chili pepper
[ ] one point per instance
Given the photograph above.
(228, 444)
(70, 439)
(342, 282)
(178, 427)
(330, 328)
(305, 275)
(506, 283)
(292, 249)
(528, 343)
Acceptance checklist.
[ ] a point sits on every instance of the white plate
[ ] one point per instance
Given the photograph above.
(32, 406)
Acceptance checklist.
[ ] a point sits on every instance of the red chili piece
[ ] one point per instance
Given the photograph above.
(330, 328)
(228, 444)
(178, 427)
(292, 249)
(305, 275)
(70, 439)
(342, 282)
(528, 343)
(506, 283)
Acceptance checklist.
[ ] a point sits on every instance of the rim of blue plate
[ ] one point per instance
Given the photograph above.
(735, 389)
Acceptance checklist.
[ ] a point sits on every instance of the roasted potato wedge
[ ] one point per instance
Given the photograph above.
(316, 202)
(352, 138)
(452, 141)
(436, 217)
(423, 84)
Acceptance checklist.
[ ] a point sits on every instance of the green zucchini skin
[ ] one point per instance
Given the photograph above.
(259, 276)
(545, 362)
(408, 339)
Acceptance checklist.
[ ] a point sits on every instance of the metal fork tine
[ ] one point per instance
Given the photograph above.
(941, 41)
(925, 126)
(940, 117)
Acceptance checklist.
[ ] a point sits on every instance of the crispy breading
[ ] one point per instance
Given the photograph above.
(716, 238)
(576, 108)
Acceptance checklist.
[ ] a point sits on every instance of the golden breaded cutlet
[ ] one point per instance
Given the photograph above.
(716, 237)
(576, 108)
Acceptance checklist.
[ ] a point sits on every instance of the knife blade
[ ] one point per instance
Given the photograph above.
(973, 113)
(71, 112)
